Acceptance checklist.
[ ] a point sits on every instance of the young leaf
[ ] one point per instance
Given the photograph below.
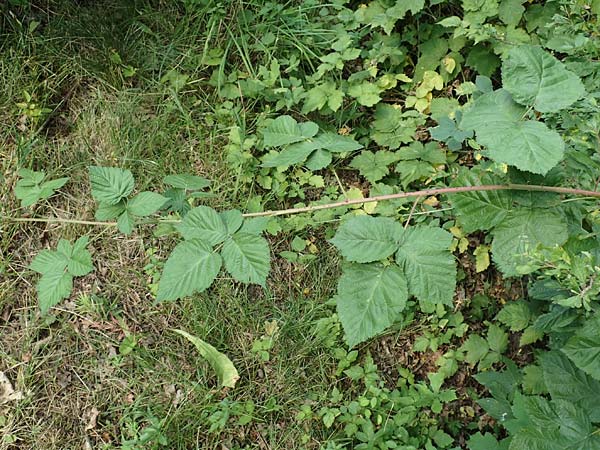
(49, 261)
(428, 264)
(186, 181)
(247, 258)
(366, 94)
(527, 145)
(203, 223)
(53, 287)
(374, 166)
(110, 184)
(221, 364)
(535, 77)
(285, 130)
(517, 237)
(146, 203)
(366, 239)
(191, 268)
(370, 299)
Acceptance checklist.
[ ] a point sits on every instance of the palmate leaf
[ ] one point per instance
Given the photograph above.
(536, 78)
(525, 144)
(428, 265)
(221, 364)
(374, 166)
(110, 184)
(370, 299)
(584, 347)
(204, 223)
(366, 239)
(517, 237)
(191, 268)
(247, 258)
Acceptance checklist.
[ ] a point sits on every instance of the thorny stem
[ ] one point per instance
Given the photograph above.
(348, 202)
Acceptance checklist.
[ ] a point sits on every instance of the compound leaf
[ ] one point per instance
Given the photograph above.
(247, 258)
(535, 77)
(110, 184)
(370, 299)
(203, 223)
(191, 267)
(366, 239)
(80, 259)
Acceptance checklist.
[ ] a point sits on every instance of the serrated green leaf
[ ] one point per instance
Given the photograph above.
(583, 349)
(533, 380)
(203, 223)
(80, 261)
(511, 11)
(392, 127)
(536, 78)
(370, 299)
(319, 159)
(525, 144)
(110, 184)
(191, 268)
(336, 143)
(233, 220)
(515, 315)
(497, 339)
(107, 212)
(365, 93)
(52, 185)
(125, 222)
(76, 258)
(49, 261)
(186, 181)
(146, 203)
(30, 189)
(480, 210)
(255, 225)
(31, 177)
(485, 441)
(292, 154)
(516, 238)
(321, 95)
(366, 239)
(221, 364)
(247, 258)
(374, 166)
(476, 348)
(428, 264)
(53, 287)
(285, 130)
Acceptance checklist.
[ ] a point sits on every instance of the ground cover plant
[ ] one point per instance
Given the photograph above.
(312, 225)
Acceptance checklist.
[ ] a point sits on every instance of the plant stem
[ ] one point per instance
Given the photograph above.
(378, 198)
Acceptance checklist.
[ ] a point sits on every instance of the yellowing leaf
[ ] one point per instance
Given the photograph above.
(482, 258)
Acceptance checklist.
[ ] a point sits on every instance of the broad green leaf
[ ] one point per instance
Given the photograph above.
(370, 299)
(247, 258)
(536, 78)
(292, 154)
(527, 145)
(392, 127)
(485, 441)
(497, 339)
(476, 348)
(366, 94)
(399, 10)
(336, 143)
(110, 184)
(186, 181)
(518, 236)
(285, 130)
(52, 185)
(319, 159)
(511, 11)
(53, 287)
(428, 264)
(221, 364)
(374, 166)
(146, 203)
(191, 268)
(203, 223)
(107, 212)
(479, 210)
(233, 220)
(255, 225)
(366, 239)
(515, 315)
(584, 347)
(80, 261)
(49, 261)
(125, 222)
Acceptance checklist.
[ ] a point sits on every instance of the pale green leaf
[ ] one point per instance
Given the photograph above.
(49, 261)
(53, 287)
(536, 78)
(191, 268)
(221, 364)
(366, 94)
(319, 159)
(146, 203)
(203, 223)
(80, 261)
(233, 220)
(247, 258)
(367, 239)
(110, 184)
(428, 264)
(186, 181)
(518, 236)
(285, 130)
(336, 143)
(374, 166)
(584, 347)
(107, 212)
(370, 299)
(125, 223)
(525, 144)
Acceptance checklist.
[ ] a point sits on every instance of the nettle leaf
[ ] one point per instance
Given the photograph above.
(536, 78)
(584, 347)
(247, 258)
(110, 184)
(204, 223)
(370, 299)
(146, 203)
(221, 364)
(518, 236)
(374, 166)
(366, 239)
(428, 264)
(285, 130)
(479, 210)
(525, 144)
(191, 268)
(186, 181)
(392, 127)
